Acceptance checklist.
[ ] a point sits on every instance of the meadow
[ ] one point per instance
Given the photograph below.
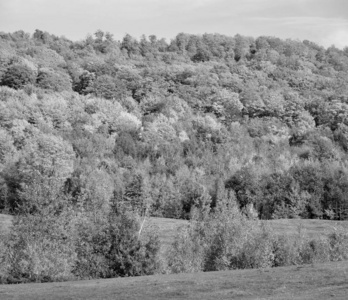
(310, 282)
(167, 228)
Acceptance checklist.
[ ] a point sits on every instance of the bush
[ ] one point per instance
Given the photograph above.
(300, 250)
(40, 249)
(3, 258)
(113, 248)
(43, 248)
(186, 254)
(227, 240)
(338, 242)
(222, 241)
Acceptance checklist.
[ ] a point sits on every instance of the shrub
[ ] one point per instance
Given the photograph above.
(186, 254)
(227, 240)
(40, 249)
(40, 246)
(113, 248)
(285, 253)
(300, 250)
(338, 242)
(3, 258)
(224, 240)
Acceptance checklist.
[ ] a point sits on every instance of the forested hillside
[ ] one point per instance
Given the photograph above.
(150, 128)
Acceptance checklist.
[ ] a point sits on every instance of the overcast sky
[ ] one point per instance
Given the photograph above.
(322, 21)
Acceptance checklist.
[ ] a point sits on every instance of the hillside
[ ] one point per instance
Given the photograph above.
(99, 134)
(205, 116)
(310, 282)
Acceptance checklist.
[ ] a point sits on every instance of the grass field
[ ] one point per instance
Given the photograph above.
(310, 228)
(319, 281)
(167, 228)
(310, 282)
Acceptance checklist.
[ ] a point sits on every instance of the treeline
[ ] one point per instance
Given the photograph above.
(170, 124)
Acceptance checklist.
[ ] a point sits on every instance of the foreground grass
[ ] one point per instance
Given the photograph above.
(319, 282)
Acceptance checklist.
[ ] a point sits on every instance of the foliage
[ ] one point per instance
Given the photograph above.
(55, 81)
(17, 76)
(222, 241)
(40, 246)
(113, 248)
(228, 240)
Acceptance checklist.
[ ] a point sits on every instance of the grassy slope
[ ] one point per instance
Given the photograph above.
(311, 228)
(319, 282)
(167, 228)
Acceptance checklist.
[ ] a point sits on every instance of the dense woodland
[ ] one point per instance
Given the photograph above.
(96, 135)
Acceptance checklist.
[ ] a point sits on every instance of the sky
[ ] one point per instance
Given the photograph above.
(324, 22)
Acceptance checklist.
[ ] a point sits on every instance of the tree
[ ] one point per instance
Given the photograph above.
(43, 158)
(45, 57)
(106, 87)
(130, 45)
(85, 80)
(17, 76)
(54, 80)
